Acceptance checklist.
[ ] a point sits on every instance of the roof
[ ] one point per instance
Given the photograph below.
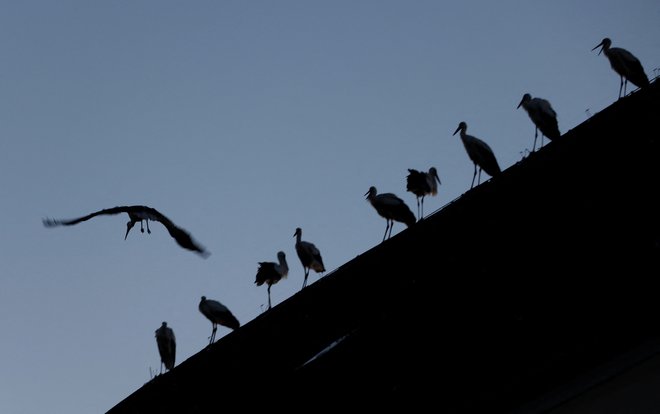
(498, 302)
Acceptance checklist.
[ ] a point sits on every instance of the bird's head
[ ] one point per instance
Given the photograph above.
(298, 232)
(526, 98)
(372, 192)
(461, 127)
(129, 226)
(605, 45)
(434, 174)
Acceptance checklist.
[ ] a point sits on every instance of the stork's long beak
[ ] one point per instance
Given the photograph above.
(129, 226)
(437, 177)
(521, 101)
(457, 129)
(597, 46)
(367, 194)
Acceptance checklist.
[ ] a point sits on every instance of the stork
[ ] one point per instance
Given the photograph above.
(309, 255)
(542, 115)
(166, 346)
(139, 214)
(422, 184)
(480, 154)
(391, 208)
(218, 314)
(271, 272)
(625, 64)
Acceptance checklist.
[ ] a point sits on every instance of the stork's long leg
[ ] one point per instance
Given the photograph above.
(148, 230)
(391, 227)
(474, 175)
(387, 226)
(536, 134)
(421, 215)
(269, 296)
(306, 274)
(620, 87)
(212, 337)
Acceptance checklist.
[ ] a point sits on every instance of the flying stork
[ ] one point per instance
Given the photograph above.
(391, 208)
(309, 255)
(542, 115)
(139, 214)
(625, 64)
(480, 154)
(422, 184)
(271, 272)
(218, 314)
(166, 346)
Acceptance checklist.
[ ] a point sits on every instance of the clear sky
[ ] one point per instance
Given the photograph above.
(240, 121)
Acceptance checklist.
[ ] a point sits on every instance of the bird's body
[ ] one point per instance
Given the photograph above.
(139, 214)
(218, 314)
(480, 153)
(542, 115)
(391, 208)
(309, 255)
(166, 346)
(422, 184)
(625, 64)
(271, 272)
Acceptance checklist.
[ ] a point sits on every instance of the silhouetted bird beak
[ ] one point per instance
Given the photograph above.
(597, 46)
(457, 129)
(129, 226)
(521, 101)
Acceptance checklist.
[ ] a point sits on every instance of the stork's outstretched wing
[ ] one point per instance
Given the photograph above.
(137, 214)
(56, 222)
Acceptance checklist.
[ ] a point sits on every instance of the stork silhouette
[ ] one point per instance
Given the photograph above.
(309, 255)
(542, 115)
(422, 184)
(480, 154)
(139, 214)
(625, 64)
(391, 208)
(218, 314)
(166, 346)
(271, 272)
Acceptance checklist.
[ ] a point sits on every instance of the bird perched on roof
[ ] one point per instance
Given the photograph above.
(390, 207)
(625, 64)
(422, 184)
(218, 314)
(139, 214)
(309, 255)
(480, 154)
(166, 346)
(542, 115)
(271, 272)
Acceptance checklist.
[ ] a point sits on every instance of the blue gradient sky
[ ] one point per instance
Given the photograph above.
(240, 121)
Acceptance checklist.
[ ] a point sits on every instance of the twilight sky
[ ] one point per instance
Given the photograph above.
(240, 121)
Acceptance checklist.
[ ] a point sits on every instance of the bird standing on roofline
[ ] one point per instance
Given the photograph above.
(166, 346)
(480, 154)
(309, 255)
(270, 272)
(218, 314)
(542, 115)
(422, 184)
(391, 208)
(139, 214)
(625, 64)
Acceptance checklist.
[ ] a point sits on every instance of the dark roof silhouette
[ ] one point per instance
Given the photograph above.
(553, 295)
